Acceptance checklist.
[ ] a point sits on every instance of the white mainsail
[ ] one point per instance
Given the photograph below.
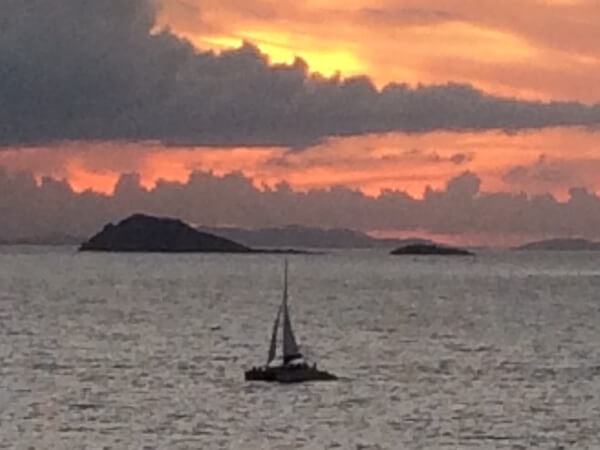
(290, 347)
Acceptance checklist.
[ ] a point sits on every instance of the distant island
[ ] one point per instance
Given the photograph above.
(561, 244)
(308, 237)
(142, 233)
(430, 249)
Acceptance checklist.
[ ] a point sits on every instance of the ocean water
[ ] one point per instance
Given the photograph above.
(106, 351)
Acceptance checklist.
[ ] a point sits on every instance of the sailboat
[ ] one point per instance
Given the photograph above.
(292, 368)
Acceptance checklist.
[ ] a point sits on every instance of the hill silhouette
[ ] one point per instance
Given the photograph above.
(561, 244)
(425, 249)
(142, 233)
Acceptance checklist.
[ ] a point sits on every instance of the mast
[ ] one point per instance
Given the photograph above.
(290, 347)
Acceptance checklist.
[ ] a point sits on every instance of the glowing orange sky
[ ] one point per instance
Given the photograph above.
(554, 160)
(535, 48)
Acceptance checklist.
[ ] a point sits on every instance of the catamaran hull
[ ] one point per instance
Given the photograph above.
(288, 375)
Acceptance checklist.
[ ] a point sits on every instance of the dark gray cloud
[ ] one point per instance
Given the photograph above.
(461, 158)
(96, 70)
(433, 157)
(546, 173)
(31, 210)
(543, 170)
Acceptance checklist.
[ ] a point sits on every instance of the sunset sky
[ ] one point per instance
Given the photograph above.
(375, 96)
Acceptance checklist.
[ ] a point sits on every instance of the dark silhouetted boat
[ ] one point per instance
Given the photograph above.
(292, 367)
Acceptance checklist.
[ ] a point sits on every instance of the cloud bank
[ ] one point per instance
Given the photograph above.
(98, 70)
(28, 209)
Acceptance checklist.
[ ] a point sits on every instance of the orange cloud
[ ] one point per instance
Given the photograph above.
(178, 164)
(82, 178)
(533, 48)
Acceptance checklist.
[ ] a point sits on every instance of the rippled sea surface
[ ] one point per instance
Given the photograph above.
(148, 351)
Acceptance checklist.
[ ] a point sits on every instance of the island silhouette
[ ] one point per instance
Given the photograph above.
(431, 249)
(561, 244)
(144, 233)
